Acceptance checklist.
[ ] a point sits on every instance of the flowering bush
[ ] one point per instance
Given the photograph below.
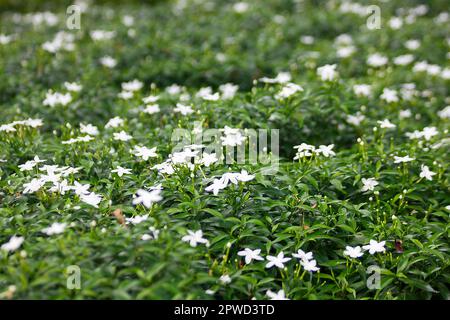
(90, 175)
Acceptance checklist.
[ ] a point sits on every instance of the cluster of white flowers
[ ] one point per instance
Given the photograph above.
(226, 178)
(306, 150)
(11, 127)
(373, 247)
(427, 133)
(61, 41)
(53, 99)
(56, 175)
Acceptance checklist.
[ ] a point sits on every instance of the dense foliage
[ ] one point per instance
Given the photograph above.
(363, 121)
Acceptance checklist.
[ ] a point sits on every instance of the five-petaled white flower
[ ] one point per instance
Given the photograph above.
(147, 198)
(375, 246)
(277, 261)
(369, 184)
(121, 171)
(353, 252)
(250, 255)
(194, 237)
(426, 173)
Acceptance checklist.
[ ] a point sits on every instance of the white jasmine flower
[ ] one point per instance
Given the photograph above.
(144, 152)
(75, 87)
(327, 72)
(108, 62)
(310, 265)
(92, 199)
(225, 279)
(402, 159)
(426, 173)
(55, 228)
(194, 238)
(184, 110)
(355, 252)
(137, 219)
(134, 85)
(280, 295)
(375, 246)
(121, 171)
(250, 255)
(147, 198)
(114, 122)
(13, 244)
(386, 124)
(277, 261)
(389, 95)
(369, 184)
(122, 136)
(89, 129)
(151, 109)
(377, 60)
(302, 255)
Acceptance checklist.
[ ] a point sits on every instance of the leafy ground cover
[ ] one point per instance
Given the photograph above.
(89, 176)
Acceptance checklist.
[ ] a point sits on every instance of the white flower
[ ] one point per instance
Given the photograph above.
(326, 150)
(307, 40)
(412, 44)
(195, 237)
(114, 122)
(402, 159)
(244, 176)
(53, 99)
(125, 95)
(377, 60)
(281, 77)
(150, 99)
(250, 255)
(216, 186)
(302, 255)
(108, 62)
(277, 261)
(404, 60)
(389, 95)
(121, 171)
(208, 159)
(228, 90)
(240, 7)
(80, 188)
(364, 90)
(225, 279)
(288, 90)
(327, 72)
(355, 252)
(144, 152)
(386, 124)
(55, 228)
(309, 265)
(369, 184)
(184, 110)
(89, 129)
(375, 246)
(92, 199)
(355, 119)
(280, 295)
(137, 219)
(33, 186)
(151, 109)
(13, 244)
(426, 173)
(147, 198)
(75, 87)
(131, 86)
(98, 35)
(122, 136)
(429, 132)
